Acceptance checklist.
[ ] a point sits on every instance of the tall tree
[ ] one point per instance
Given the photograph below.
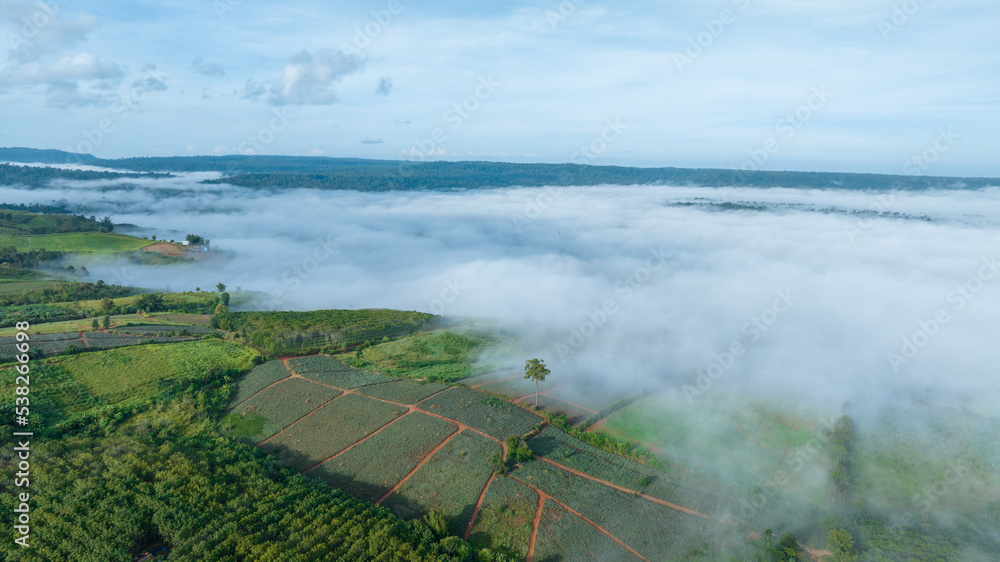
(221, 287)
(534, 369)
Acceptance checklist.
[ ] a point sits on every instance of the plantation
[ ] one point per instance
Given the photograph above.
(353, 378)
(564, 536)
(316, 364)
(164, 329)
(493, 416)
(363, 472)
(450, 482)
(331, 429)
(283, 404)
(654, 531)
(299, 333)
(505, 518)
(261, 377)
(35, 313)
(403, 391)
(79, 242)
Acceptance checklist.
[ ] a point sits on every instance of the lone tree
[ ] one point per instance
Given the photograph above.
(221, 287)
(534, 369)
(107, 225)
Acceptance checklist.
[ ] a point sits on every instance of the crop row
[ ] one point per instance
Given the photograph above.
(366, 472)
(493, 416)
(348, 379)
(653, 530)
(259, 378)
(331, 429)
(164, 329)
(284, 403)
(564, 536)
(450, 481)
(403, 391)
(42, 337)
(506, 518)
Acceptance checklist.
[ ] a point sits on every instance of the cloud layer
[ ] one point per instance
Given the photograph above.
(634, 286)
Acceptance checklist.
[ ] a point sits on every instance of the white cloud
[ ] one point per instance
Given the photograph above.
(306, 79)
(207, 68)
(83, 66)
(40, 29)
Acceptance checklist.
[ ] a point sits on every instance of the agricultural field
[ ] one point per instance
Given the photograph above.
(563, 536)
(440, 356)
(69, 385)
(330, 429)
(494, 417)
(76, 242)
(338, 374)
(506, 518)
(259, 378)
(363, 471)
(300, 333)
(403, 391)
(655, 531)
(282, 405)
(450, 482)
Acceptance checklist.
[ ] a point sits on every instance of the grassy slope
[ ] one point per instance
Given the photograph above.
(439, 356)
(77, 242)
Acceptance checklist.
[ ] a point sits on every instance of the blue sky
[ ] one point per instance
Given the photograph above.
(867, 86)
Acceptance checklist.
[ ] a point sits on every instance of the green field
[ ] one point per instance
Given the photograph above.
(438, 356)
(450, 482)
(506, 517)
(135, 370)
(77, 242)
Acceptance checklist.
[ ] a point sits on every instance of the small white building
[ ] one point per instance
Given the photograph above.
(186, 243)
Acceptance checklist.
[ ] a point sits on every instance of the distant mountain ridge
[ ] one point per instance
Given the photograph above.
(285, 172)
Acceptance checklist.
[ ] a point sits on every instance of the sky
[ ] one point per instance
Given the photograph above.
(860, 86)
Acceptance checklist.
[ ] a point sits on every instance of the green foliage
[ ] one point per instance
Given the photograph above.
(106, 322)
(77, 242)
(35, 176)
(35, 314)
(300, 333)
(438, 356)
(841, 543)
(841, 450)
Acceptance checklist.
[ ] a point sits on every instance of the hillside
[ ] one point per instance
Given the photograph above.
(279, 172)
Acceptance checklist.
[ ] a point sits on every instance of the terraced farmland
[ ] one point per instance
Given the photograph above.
(450, 481)
(284, 403)
(364, 471)
(415, 447)
(331, 429)
(492, 416)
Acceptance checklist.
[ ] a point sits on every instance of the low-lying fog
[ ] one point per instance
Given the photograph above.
(643, 286)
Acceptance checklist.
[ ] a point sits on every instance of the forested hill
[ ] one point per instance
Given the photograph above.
(278, 172)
